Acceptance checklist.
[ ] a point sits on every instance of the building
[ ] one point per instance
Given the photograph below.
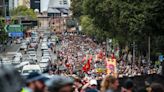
(24, 3)
(35, 4)
(44, 5)
(11, 4)
(58, 8)
(1, 8)
(5, 7)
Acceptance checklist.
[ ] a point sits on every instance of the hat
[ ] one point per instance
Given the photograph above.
(128, 84)
(35, 76)
(91, 90)
(58, 82)
(93, 82)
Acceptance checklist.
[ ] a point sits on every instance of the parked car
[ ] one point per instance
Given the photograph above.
(16, 60)
(18, 41)
(23, 46)
(27, 69)
(53, 41)
(31, 49)
(45, 51)
(34, 45)
(33, 56)
(44, 62)
(6, 61)
(44, 47)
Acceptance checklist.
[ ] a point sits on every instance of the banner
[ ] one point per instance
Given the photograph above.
(111, 66)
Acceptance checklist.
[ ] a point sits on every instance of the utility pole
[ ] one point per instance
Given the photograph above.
(149, 49)
(4, 8)
(133, 52)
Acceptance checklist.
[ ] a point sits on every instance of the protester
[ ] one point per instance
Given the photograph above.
(60, 84)
(156, 87)
(109, 84)
(128, 86)
(35, 82)
(10, 79)
(90, 86)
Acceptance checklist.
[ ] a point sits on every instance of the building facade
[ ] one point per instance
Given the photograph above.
(24, 3)
(35, 4)
(1, 8)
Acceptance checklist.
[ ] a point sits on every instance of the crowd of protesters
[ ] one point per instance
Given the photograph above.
(75, 50)
(72, 73)
(11, 81)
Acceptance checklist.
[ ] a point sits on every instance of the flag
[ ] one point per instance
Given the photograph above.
(86, 67)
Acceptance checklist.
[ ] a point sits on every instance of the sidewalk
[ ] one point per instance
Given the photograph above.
(11, 48)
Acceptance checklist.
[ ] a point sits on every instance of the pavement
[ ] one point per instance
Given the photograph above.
(11, 48)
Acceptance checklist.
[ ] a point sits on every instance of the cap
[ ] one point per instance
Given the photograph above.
(93, 82)
(58, 82)
(128, 84)
(35, 76)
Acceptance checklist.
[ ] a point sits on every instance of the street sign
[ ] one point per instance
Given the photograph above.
(14, 30)
(15, 34)
(6, 27)
(161, 58)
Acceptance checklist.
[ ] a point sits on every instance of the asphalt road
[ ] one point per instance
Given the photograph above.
(12, 48)
(39, 54)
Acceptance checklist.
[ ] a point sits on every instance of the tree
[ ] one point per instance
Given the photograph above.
(23, 11)
(91, 30)
(3, 33)
(128, 20)
(76, 8)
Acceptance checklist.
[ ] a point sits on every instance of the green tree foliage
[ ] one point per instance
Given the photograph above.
(3, 33)
(128, 20)
(76, 8)
(124, 20)
(91, 30)
(23, 11)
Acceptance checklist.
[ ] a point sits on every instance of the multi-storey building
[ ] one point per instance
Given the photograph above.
(35, 4)
(24, 3)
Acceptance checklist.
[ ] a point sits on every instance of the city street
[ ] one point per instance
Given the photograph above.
(11, 48)
(81, 45)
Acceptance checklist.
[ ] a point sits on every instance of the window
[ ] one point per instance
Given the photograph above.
(60, 2)
(65, 1)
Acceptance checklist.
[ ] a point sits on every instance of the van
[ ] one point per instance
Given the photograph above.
(27, 69)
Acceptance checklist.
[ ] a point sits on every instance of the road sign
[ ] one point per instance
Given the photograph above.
(161, 58)
(6, 27)
(16, 34)
(15, 28)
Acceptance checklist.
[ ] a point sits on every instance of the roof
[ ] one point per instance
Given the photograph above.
(28, 67)
(53, 10)
(56, 4)
(63, 10)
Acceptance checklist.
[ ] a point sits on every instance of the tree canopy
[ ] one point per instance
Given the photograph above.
(23, 11)
(124, 20)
